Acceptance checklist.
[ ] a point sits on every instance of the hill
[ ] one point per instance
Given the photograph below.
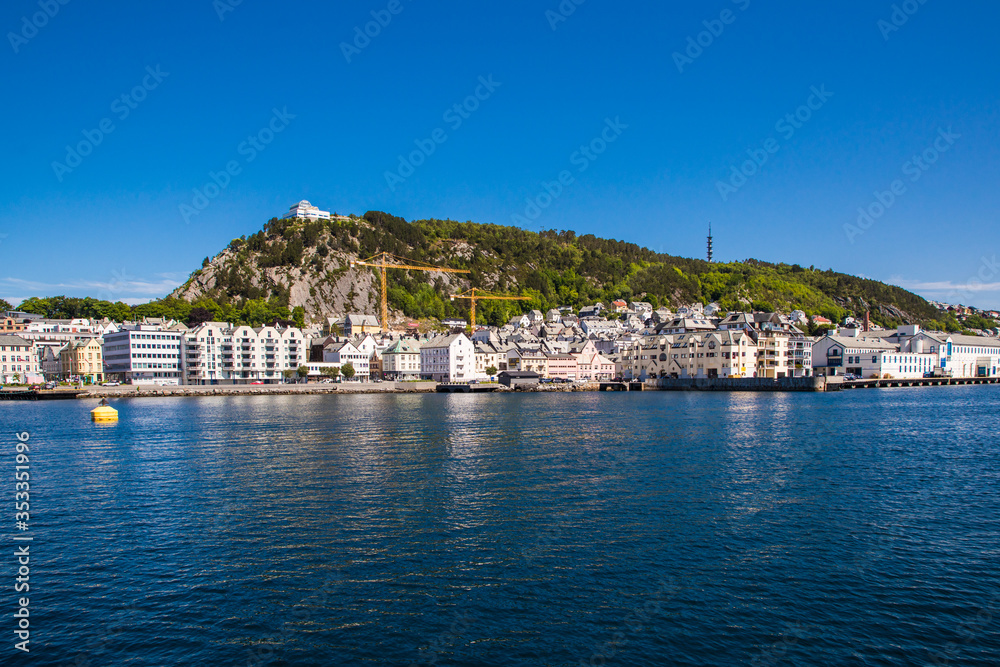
(300, 265)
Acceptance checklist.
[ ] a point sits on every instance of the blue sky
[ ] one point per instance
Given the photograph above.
(648, 113)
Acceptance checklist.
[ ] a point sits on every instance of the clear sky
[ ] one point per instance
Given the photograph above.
(648, 110)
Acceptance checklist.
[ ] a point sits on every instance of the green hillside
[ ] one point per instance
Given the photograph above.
(302, 266)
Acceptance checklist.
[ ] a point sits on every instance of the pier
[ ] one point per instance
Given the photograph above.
(36, 395)
(621, 386)
(465, 388)
(914, 382)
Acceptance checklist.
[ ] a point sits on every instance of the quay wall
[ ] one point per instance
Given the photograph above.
(740, 384)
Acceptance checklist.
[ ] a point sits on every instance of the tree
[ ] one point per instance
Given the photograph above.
(5, 305)
(330, 371)
(199, 315)
(347, 370)
(491, 370)
(299, 315)
(288, 373)
(302, 372)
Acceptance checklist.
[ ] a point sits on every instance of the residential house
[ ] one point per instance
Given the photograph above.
(82, 359)
(401, 360)
(358, 325)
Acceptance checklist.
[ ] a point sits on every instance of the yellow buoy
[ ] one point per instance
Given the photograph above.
(104, 413)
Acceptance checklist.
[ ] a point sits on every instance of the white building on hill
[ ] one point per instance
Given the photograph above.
(306, 210)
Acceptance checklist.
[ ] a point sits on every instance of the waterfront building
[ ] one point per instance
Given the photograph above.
(450, 358)
(487, 355)
(524, 358)
(800, 355)
(563, 366)
(345, 352)
(956, 354)
(143, 354)
(857, 355)
(82, 359)
(18, 360)
(401, 360)
(305, 210)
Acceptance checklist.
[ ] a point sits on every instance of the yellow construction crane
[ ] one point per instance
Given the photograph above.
(475, 294)
(383, 261)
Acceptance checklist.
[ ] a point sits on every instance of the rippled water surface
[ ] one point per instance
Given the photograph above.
(653, 528)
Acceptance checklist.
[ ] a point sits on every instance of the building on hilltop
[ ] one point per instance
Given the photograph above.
(305, 210)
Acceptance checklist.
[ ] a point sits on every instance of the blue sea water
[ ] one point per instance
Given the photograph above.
(654, 528)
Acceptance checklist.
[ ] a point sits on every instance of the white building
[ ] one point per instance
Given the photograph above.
(448, 359)
(18, 360)
(956, 355)
(218, 353)
(143, 354)
(401, 360)
(345, 352)
(305, 210)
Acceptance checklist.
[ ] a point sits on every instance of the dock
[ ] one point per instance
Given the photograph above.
(621, 386)
(37, 395)
(914, 382)
(465, 388)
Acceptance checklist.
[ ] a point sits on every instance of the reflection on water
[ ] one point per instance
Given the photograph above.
(629, 528)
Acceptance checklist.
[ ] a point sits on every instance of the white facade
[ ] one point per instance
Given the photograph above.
(217, 353)
(448, 359)
(143, 354)
(18, 360)
(306, 210)
(344, 352)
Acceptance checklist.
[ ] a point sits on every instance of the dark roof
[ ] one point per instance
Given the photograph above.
(519, 374)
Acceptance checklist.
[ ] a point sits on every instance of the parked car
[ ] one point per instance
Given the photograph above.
(112, 383)
(256, 382)
(50, 385)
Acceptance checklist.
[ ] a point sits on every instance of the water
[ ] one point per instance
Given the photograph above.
(858, 528)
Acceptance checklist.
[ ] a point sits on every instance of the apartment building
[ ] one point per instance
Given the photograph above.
(18, 360)
(82, 359)
(218, 353)
(449, 358)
